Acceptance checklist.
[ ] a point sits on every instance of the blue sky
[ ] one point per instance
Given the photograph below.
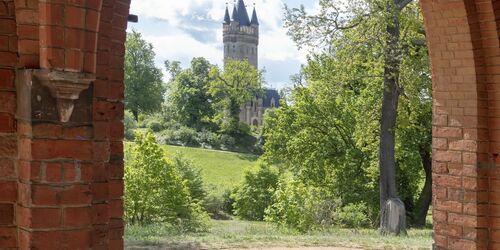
(183, 29)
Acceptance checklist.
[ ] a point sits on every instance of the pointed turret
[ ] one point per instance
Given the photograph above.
(255, 20)
(234, 16)
(243, 14)
(227, 19)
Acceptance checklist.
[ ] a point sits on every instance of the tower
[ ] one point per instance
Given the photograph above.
(241, 34)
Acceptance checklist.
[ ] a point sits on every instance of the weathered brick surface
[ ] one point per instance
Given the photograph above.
(61, 184)
(8, 140)
(464, 51)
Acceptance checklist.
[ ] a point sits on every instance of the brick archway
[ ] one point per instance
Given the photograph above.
(61, 130)
(61, 151)
(464, 49)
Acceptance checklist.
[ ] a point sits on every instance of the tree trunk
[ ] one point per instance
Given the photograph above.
(136, 115)
(425, 197)
(387, 162)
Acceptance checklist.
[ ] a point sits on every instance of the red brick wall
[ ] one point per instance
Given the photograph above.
(8, 139)
(61, 183)
(464, 51)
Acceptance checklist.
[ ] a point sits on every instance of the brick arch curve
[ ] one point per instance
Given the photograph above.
(464, 49)
(61, 179)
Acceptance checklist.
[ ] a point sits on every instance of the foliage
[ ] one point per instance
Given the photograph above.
(143, 81)
(182, 135)
(153, 122)
(255, 194)
(301, 207)
(328, 131)
(352, 216)
(315, 139)
(188, 93)
(130, 124)
(191, 174)
(231, 88)
(155, 192)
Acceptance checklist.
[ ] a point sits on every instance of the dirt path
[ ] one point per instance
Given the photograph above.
(300, 248)
(258, 248)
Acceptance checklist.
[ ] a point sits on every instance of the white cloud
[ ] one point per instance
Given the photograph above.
(183, 19)
(183, 47)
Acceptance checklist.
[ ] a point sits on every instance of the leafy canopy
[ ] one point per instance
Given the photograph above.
(144, 88)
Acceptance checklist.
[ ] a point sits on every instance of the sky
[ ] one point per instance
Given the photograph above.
(182, 29)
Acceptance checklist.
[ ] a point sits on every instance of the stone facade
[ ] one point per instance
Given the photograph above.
(241, 42)
(241, 35)
(252, 113)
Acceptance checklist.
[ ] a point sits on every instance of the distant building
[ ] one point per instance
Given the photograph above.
(241, 42)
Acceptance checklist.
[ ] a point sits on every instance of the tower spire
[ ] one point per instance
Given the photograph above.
(227, 19)
(255, 20)
(235, 16)
(243, 14)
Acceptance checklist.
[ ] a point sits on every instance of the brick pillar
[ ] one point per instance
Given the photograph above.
(8, 138)
(61, 129)
(463, 45)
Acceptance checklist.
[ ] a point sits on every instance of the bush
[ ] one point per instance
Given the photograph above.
(192, 175)
(219, 206)
(188, 136)
(184, 136)
(209, 139)
(301, 207)
(227, 141)
(228, 201)
(130, 125)
(155, 192)
(255, 194)
(353, 216)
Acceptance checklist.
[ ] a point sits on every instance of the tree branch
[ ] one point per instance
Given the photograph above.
(403, 3)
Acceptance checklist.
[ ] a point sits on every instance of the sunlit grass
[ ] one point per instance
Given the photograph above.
(244, 234)
(221, 170)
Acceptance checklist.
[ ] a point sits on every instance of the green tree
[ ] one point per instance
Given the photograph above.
(188, 96)
(155, 192)
(144, 88)
(192, 175)
(231, 88)
(255, 194)
(390, 29)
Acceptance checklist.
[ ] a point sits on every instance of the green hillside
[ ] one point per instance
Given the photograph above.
(221, 170)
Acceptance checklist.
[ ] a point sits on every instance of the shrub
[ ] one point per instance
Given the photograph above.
(353, 216)
(255, 194)
(227, 141)
(192, 175)
(184, 136)
(209, 139)
(155, 192)
(187, 136)
(301, 207)
(218, 205)
(130, 125)
(228, 201)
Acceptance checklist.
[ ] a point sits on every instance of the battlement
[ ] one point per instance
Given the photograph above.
(234, 28)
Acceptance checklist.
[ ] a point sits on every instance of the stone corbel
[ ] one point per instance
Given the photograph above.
(65, 87)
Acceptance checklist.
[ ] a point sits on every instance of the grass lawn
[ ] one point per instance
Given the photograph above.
(221, 170)
(261, 235)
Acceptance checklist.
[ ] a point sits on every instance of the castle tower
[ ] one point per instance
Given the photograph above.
(241, 34)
